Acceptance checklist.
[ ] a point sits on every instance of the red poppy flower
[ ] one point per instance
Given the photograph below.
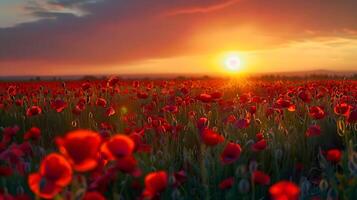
(252, 109)
(81, 147)
(93, 196)
(33, 110)
(259, 136)
(155, 182)
(180, 177)
(352, 118)
(261, 178)
(317, 112)
(284, 190)
(206, 98)
(101, 102)
(58, 105)
(305, 96)
(202, 123)
(231, 153)
(118, 146)
(334, 155)
(260, 145)
(112, 81)
(242, 123)
(313, 130)
(86, 86)
(226, 183)
(169, 108)
(55, 172)
(110, 111)
(342, 109)
(142, 95)
(127, 164)
(34, 133)
(211, 138)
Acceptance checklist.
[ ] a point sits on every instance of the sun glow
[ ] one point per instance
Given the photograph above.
(232, 62)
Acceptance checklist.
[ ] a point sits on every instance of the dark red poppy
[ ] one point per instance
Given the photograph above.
(206, 98)
(242, 123)
(226, 183)
(313, 130)
(101, 102)
(231, 153)
(334, 155)
(284, 190)
(59, 105)
(211, 138)
(5, 171)
(81, 147)
(316, 112)
(180, 177)
(54, 174)
(259, 136)
(155, 183)
(34, 134)
(118, 146)
(142, 95)
(252, 109)
(261, 178)
(127, 164)
(260, 145)
(202, 123)
(33, 110)
(352, 117)
(305, 96)
(112, 81)
(93, 196)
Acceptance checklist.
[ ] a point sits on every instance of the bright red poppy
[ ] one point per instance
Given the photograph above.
(334, 155)
(342, 109)
(54, 174)
(260, 145)
(34, 134)
(118, 146)
(284, 190)
(211, 138)
(155, 183)
(231, 153)
(81, 147)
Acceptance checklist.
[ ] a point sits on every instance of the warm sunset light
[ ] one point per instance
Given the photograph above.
(174, 99)
(233, 63)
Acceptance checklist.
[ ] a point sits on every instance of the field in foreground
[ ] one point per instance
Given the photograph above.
(178, 139)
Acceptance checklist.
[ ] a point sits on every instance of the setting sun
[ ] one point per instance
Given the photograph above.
(232, 62)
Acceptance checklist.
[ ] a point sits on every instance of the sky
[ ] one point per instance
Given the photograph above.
(74, 37)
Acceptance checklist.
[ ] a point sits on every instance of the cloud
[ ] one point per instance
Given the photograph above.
(115, 32)
(201, 9)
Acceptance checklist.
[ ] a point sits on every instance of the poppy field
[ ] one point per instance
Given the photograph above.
(178, 139)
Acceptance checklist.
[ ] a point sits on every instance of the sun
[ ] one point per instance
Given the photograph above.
(232, 62)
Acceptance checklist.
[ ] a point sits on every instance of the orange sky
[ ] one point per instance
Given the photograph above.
(65, 37)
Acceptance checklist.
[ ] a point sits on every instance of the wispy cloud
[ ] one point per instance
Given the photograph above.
(201, 9)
